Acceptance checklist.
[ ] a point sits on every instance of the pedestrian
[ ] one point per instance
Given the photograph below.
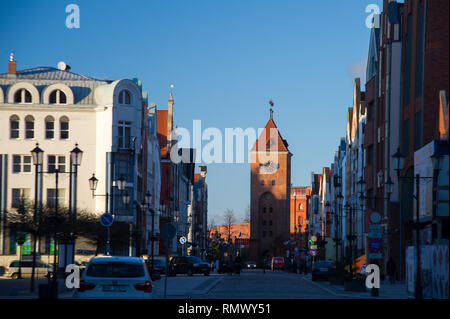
(237, 264)
(391, 270)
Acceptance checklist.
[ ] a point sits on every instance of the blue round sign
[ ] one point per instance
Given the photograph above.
(375, 245)
(106, 219)
(313, 252)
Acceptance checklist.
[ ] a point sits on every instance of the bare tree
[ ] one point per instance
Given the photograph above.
(229, 220)
(246, 218)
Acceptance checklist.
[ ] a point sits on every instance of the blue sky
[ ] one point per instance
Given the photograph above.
(226, 59)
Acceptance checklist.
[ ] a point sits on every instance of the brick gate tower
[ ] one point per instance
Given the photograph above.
(269, 194)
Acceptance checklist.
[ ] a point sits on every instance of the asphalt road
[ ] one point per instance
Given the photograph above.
(254, 284)
(250, 284)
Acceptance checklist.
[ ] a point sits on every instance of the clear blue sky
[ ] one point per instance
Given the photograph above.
(226, 60)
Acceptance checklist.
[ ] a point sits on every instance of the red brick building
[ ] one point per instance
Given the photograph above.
(269, 194)
(299, 214)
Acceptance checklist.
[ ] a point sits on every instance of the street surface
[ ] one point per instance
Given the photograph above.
(250, 284)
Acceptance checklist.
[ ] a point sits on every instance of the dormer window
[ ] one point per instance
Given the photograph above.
(124, 97)
(57, 97)
(22, 96)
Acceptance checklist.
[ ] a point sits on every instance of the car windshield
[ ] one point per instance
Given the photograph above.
(326, 264)
(194, 259)
(115, 269)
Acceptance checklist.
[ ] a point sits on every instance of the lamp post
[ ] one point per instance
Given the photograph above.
(349, 211)
(38, 159)
(76, 156)
(75, 160)
(120, 184)
(417, 225)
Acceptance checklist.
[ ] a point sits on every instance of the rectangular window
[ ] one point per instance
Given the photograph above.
(51, 197)
(19, 194)
(273, 182)
(17, 163)
(14, 133)
(29, 129)
(64, 130)
(49, 130)
(124, 134)
(417, 130)
(21, 163)
(51, 163)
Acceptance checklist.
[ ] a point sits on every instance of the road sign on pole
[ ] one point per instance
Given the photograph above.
(313, 238)
(106, 219)
(182, 240)
(313, 252)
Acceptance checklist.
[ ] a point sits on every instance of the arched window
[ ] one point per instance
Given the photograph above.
(22, 96)
(63, 128)
(49, 127)
(29, 126)
(14, 126)
(57, 97)
(124, 97)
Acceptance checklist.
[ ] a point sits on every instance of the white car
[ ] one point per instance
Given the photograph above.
(115, 277)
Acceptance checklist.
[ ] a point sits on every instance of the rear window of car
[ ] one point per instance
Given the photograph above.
(115, 269)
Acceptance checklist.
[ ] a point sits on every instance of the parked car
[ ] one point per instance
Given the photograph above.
(159, 266)
(115, 277)
(189, 265)
(321, 270)
(250, 265)
(277, 263)
(26, 267)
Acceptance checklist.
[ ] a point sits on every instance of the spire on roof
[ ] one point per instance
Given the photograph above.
(271, 109)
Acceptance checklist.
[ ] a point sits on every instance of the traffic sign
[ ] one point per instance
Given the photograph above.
(106, 219)
(375, 245)
(375, 217)
(313, 252)
(182, 240)
(314, 238)
(313, 247)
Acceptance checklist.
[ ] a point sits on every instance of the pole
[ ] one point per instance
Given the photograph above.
(108, 231)
(418, 288)
(36, 206)
(152, 240)
(167, 265)
(55, 232)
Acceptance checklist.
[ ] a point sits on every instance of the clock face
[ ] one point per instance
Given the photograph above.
(269, 167)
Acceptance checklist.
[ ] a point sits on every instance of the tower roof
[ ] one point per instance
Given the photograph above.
(262, 143)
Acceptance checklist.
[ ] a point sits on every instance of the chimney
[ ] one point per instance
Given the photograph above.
(11, 64)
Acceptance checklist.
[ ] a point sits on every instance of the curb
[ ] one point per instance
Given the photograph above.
(323, 288)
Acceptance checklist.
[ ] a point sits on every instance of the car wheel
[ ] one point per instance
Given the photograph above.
(15, 276)
(190, 272)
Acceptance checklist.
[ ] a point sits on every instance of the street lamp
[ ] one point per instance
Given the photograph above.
(120, 184)
(417, 225)
(38, 159)
(349, 210)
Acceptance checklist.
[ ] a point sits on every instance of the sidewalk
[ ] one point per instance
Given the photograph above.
(386, 291)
